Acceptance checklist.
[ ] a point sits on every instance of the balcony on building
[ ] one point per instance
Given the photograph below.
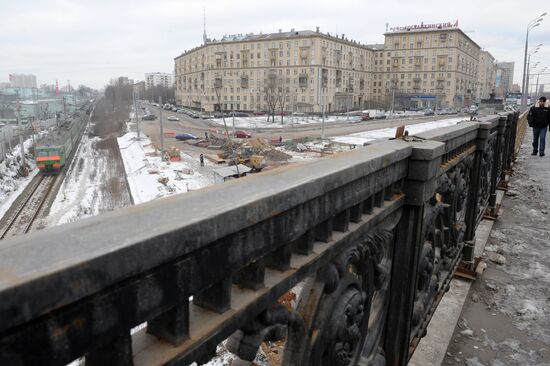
(244, 81)
(302, 80)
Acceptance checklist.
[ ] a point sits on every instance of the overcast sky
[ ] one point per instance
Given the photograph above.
(90, 41)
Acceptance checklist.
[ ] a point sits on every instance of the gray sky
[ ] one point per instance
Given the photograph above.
(90, 41)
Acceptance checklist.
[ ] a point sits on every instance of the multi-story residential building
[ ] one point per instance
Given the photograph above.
(159, 79)
(487, 75)
(23, 81)
(504, 78)
(434, 65)
(418, 66)
(308, 70)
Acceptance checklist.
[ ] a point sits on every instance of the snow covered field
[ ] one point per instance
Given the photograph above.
(146, 172)
(258, 122)
(385, 133)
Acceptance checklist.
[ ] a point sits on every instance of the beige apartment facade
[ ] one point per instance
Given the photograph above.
(311, 71)
(427, 66)
(487, 75)
(424, 66)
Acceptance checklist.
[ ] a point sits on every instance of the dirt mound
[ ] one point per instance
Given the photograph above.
(276, 155)
(257, 143)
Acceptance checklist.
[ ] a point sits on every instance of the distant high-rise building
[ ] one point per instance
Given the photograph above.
(159, 79)
(504, 78)
(23, 80)
(486, 75)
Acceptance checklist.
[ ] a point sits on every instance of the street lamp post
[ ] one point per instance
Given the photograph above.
(532, 24)
(537, 87)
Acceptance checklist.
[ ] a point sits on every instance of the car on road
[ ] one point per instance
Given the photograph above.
(149, 117)
(242, 134)
(240, 114)
(380, 115)
(172, 118)
(185, 136)
(429, 112)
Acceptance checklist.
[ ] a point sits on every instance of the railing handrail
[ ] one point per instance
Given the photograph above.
(57, 266)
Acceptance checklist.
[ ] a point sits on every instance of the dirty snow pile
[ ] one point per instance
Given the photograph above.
(150, 178)
(12, 183)
(362, 138)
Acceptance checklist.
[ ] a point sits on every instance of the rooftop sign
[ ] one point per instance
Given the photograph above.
(423, 26)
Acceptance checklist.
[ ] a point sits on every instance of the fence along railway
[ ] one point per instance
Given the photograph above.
(376, 235)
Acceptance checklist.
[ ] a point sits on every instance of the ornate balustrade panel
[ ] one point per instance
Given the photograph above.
(78, 289)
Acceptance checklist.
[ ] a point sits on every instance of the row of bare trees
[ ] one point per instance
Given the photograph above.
(276, 94)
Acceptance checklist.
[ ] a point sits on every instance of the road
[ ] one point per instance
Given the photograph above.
(199, 126)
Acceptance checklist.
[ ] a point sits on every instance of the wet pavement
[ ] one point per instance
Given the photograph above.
(506, 320)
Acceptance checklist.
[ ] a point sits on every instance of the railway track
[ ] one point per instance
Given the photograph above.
(22, 218)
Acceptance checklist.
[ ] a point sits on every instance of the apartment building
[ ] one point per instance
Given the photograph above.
(308, 70)
(158, 79)
(487, 75)
(428, 65)
(423, 66)
(504, 78)
(23, 80)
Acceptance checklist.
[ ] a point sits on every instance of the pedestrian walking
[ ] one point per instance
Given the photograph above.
(201, 158)
(539, 119)
(280, 139)
(206, 135)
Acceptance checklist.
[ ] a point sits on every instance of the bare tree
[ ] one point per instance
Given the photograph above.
(283, 94)
(271, 92)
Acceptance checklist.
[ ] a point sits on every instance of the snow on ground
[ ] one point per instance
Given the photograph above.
(145, 170)
(11, 183)
(77, 197)
(362, 138)
(258, 122)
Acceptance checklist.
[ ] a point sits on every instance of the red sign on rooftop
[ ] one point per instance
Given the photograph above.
(423, 26)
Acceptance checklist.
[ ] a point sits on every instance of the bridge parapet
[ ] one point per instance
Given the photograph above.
(373, 235)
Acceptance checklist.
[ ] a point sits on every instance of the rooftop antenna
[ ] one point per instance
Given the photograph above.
(204, 39)
(387, 25)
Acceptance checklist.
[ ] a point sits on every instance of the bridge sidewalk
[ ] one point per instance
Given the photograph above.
(503, 318)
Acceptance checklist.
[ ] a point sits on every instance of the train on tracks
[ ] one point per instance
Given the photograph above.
(53, 150)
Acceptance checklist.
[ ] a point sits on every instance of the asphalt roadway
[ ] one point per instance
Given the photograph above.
(197, 127)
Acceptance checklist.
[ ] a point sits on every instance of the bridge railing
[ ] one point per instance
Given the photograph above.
(373, 237)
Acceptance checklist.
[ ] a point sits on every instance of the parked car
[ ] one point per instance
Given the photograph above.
(242, 134)
(238, 114)
(149, 117)
(172, 118)
(365, 116)
(380, 116)
(219, 115)
(429, 112)
(185, 136)
(258, 113)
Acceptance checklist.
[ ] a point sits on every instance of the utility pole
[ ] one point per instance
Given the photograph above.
(136, 113)
(20, 132)
(161, 131)
(233, 115)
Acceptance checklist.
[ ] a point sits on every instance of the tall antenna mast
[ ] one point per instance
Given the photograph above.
(204, 38)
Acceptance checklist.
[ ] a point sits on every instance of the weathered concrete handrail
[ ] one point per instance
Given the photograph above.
(376, 233)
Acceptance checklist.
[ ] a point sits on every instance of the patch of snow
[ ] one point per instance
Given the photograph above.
(11, 183)
(146, 172)
(362, 138)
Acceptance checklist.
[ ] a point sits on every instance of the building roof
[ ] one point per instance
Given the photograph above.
(251, 37)
(425, 28)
